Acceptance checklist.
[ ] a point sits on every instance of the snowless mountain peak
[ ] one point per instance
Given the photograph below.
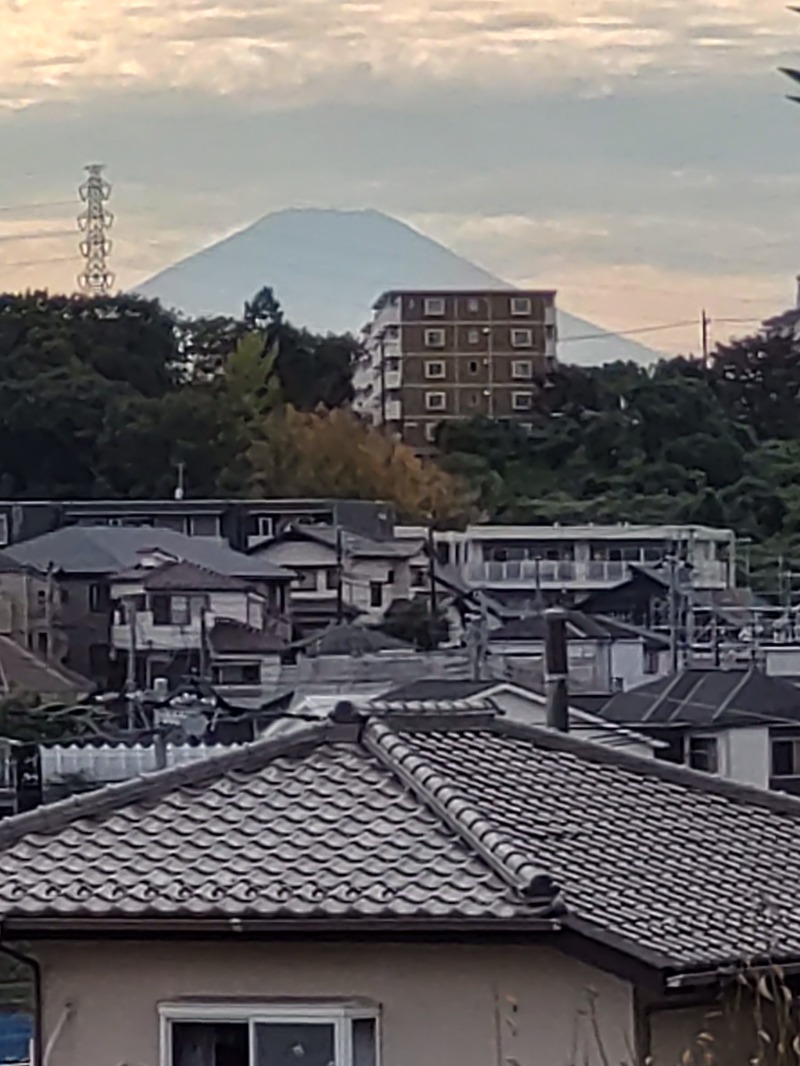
(328, 266)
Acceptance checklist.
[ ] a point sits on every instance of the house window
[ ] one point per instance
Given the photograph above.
(520, 305)
(376, 594)
(785, 758)
(306, 580)
(203, 525)
(522, 369)
(419, 577)
(473, 305)
(521, 338)
(651, 661)
(331, 580)
(473, 336)
(99, 598)
(434, 338)
(522, 401)
(274, 1035)
(434, 305)
(434, 369)
(435, 401)
(264, 525)
(702, 753)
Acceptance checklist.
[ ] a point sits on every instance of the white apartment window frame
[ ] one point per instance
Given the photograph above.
(435, 369)
(522, 369)
(430, 406)
(521, 306)
(521, 401)
(434, 306)
(340, 1016)
(521, 338)
(435, 338)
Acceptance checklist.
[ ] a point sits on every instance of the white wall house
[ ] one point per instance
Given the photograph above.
(521, 560)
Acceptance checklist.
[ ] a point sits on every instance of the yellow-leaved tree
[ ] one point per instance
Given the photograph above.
(335, 454)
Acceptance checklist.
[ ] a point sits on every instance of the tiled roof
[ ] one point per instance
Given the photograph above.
(110, 549)
(351, 640)
(229, 637)
(462, 819)
(700, 697)
(183, 577)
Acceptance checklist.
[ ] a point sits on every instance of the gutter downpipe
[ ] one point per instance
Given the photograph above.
(36, 970)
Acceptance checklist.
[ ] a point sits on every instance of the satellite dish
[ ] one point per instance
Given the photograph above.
(195, 725)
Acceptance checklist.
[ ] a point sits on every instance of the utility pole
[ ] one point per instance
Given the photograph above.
(339, 576)
(432, 569)
(203, 638)
(673, 613)
(705, 322)
(556, 665)
(130, 681)
(96, 279)
(180, 488)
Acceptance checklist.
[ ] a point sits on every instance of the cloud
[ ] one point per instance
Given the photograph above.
(56, 48)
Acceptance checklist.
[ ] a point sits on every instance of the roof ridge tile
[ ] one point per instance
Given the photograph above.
(499, 853)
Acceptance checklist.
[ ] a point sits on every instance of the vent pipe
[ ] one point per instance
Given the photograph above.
(556, 669)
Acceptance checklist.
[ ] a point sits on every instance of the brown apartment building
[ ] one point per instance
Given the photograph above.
(431, 356)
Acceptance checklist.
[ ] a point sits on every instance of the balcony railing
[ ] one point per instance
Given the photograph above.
(591, 573)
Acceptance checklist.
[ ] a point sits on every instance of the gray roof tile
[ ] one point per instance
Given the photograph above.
(457, 818)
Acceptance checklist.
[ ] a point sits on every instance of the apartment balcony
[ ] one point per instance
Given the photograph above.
(394, 411)
(592, 574)
(393, 380)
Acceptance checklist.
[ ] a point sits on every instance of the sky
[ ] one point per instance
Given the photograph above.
(637, 155)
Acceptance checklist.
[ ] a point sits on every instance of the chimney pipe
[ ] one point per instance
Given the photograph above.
(556, 669)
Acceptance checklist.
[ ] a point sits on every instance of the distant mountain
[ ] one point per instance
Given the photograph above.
(327, 267)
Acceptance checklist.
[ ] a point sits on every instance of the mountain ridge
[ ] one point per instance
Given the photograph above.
(328, 266)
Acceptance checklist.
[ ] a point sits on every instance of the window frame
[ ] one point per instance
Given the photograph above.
(521, 369)
(521, 306)
(340, 1015)
(434, 307)
(430, 364)
(516, 396)
(441, 337)
(515, 334)
(713, 745)
(435, 407)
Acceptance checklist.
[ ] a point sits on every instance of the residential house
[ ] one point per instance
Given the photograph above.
(736, 722)
(453, 889)
(30, 609)
(85, 560)
(604, 655)
(341, 574)
(242, 523)
(174, 618)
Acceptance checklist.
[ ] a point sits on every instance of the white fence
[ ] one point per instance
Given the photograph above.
(116, 762)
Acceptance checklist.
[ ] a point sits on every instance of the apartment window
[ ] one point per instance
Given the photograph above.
(702, 753)
(522, 369)
(434, 305)
(521, 338)
(785, 758)
(434, 338)
(204, 525)
(265, 525)
(473, 366)
(473, 336)
(435, 401)
(434, 369)
(522, 401)
(520, 305)
(272, 1035)
(376, 594)
(99, 598)
(473, 305)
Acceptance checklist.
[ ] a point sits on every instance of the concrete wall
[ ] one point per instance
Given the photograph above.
(745, 755)
(438, 1003)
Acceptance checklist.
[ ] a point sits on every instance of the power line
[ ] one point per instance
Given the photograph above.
(611, 334)
(8, 238)
(35, 207)
(38, 262)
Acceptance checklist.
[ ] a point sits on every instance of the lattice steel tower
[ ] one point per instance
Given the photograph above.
(95, 192)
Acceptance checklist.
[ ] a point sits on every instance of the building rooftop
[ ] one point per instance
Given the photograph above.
(111, 549)
(452, 822)
(707, 696)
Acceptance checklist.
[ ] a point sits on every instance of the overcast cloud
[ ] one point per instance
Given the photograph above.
(639, 156)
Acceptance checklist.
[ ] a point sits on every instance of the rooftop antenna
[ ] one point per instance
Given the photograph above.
(180, 488)
(96, 279)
